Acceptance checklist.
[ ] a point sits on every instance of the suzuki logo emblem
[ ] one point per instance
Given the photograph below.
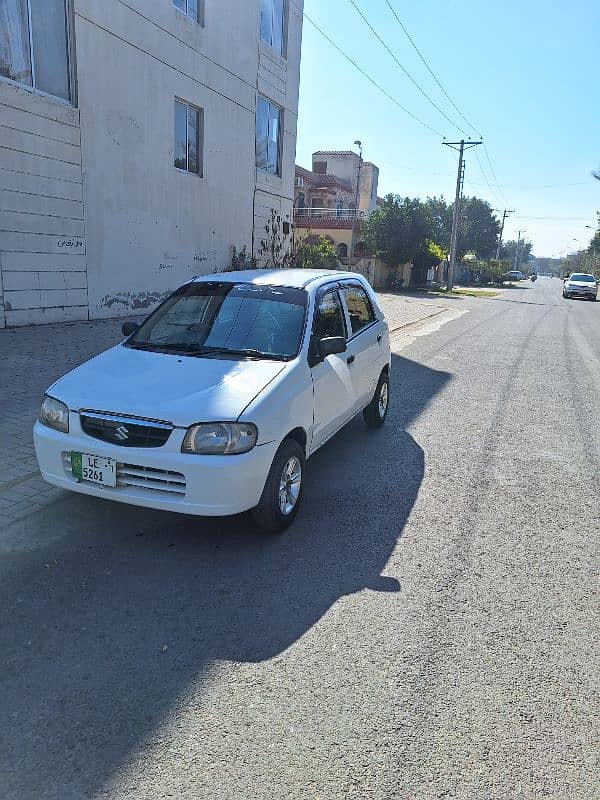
(121, 433)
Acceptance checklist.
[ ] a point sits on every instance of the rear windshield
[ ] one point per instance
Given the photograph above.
(582, 278)
(217, 319)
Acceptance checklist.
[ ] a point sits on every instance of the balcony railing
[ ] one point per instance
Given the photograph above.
(309, 216)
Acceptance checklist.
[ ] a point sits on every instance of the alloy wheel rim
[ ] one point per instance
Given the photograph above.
(289, 485)
(383, 399)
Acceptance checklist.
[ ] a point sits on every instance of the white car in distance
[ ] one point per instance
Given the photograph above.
(580, 284)
(214, 403)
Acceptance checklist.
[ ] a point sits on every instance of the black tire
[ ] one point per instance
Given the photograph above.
(376, 412)
(268, 514)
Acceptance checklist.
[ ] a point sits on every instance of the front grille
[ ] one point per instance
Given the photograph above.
(147, 479)
(125, 431)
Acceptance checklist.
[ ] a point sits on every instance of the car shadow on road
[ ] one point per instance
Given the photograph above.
(106, 625)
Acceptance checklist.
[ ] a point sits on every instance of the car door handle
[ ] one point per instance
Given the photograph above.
(350, 360)
(379, 338)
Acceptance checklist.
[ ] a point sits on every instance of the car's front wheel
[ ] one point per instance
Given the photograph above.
(282, 494)
(376, 412)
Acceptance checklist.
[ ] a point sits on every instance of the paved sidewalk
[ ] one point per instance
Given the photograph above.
(402, 311)
(34, 357)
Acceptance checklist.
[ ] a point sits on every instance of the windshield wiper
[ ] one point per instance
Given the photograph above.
(177, 347)
(248, 352)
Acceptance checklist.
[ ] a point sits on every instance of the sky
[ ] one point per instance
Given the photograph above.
(524, 73)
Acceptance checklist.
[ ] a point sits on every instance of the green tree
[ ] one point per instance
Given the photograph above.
(319, 254)
(594, 246)
(429, 255)
(439, 215)
(396, 230)
(509, 250)
(479, 229)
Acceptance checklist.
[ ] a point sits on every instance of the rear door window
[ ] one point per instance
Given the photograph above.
(359, 307)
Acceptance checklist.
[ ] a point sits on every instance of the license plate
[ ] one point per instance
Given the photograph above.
(94, 469)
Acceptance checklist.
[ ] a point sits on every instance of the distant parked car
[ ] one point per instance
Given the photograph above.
(580, 284)
(213, 404)
(513, 275)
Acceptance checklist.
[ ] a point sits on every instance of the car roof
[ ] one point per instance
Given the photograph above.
(294, 278)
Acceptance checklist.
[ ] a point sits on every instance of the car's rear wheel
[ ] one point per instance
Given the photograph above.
(282, 494)
(376, 412)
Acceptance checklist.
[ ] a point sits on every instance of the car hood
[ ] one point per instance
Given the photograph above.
(581, 284)
(177, 389)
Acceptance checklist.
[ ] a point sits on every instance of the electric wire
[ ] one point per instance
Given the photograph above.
(365, 73)
(403, 68)
(431, 72)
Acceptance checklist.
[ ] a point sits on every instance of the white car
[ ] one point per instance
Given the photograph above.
(213, 404)
(580, 284)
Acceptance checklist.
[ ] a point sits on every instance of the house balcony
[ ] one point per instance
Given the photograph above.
(345, 218)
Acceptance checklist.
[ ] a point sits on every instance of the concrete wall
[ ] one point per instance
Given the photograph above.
(43, 272)
(94, 218)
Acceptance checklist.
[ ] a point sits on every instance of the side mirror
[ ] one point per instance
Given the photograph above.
(127, 328)
(331, 345)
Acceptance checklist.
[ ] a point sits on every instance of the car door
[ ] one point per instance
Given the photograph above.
(333, 388)
(365, 356)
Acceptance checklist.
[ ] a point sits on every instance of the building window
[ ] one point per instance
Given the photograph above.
(272, 24)
(191, 8)
(320, 167)
(188, 137)
(268, 136)
(34, 45)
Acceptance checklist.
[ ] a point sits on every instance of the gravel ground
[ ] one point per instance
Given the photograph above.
(428, 629)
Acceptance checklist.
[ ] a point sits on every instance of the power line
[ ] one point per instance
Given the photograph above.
(403, 68)
(447, 95)
(365, 73)
(489, 160)
(431, 72)
(485, 177)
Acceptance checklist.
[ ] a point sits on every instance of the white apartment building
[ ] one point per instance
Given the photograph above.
(139, 141)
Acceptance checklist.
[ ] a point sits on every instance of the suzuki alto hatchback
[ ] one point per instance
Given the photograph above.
(213, 404)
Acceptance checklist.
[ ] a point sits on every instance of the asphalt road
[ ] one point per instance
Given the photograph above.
(428, 629)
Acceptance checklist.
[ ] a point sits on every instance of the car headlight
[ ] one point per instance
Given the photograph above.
(220, 438)
(54, 414)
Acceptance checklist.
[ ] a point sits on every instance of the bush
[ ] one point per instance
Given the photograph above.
(319, 254)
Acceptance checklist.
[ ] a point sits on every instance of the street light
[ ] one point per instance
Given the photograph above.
(358, 143)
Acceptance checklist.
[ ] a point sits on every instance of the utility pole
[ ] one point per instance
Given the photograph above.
(461, 147)
(504, 216)
(517, 254)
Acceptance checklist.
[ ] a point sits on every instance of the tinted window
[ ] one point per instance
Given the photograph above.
(330, 318)
(583, 278)
(268, 136)
(188, 137)
(208, 317)
(359, 308)
(35, 31)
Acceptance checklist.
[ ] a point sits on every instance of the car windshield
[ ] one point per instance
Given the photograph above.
(226, 319)
(578, 276)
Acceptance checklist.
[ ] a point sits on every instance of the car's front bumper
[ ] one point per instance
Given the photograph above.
(589, 293)
(163, 477)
